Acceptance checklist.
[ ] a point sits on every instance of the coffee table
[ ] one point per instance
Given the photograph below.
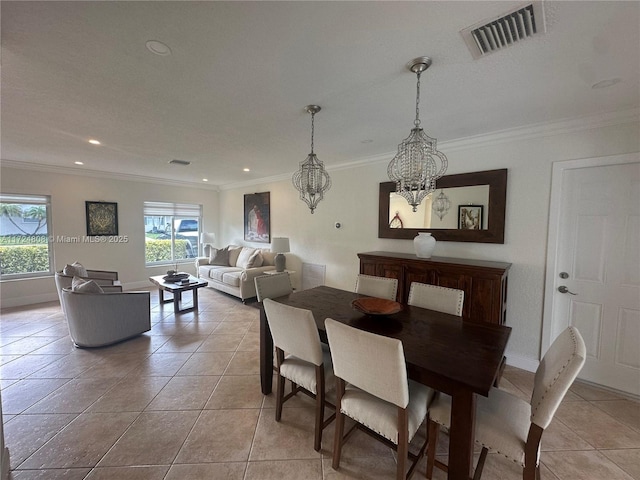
(176, 289)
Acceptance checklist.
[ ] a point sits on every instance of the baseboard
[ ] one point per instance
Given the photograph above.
(525, 363)
(29, 300)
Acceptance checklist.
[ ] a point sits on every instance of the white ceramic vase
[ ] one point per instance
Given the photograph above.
(424, 244)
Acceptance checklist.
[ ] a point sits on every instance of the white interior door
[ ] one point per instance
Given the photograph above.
(593, 282)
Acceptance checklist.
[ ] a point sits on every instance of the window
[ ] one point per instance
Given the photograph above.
(25, 244)
(171, 231)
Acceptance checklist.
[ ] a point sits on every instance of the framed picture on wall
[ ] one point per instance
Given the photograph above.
(257, 224)
(102, 218)
(470, 217)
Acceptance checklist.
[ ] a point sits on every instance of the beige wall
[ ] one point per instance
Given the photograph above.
(68, 195)
(352, 201)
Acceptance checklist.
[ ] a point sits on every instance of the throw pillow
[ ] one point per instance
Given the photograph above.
(75, 269)
(80, 285)
(234, 251)
(255, 260)
(245, 257)
(219, 256)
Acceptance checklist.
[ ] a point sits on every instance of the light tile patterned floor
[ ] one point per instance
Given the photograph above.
(183, 402)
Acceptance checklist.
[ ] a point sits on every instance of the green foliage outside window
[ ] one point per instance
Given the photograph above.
(24, 259)
(160, 250)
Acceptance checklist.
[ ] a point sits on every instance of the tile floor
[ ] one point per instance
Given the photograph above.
(183, 402)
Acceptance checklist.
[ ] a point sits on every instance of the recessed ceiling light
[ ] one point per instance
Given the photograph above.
(79, 163)
(94, 142)
(606, 83)
(366, 141)
(205, 179)
(246, 170)
(159, 48)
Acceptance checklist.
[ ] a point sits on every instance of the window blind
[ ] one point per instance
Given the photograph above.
(172, 209)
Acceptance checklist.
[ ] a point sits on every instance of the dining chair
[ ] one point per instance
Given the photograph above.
(273, 286)
(380, 287)
(509, 425)
(300, 358)
(434, 297)
(372, 388)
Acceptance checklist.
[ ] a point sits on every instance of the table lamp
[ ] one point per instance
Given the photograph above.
(280, 245)
(207, 239)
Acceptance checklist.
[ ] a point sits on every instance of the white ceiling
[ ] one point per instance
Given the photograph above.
(233, 91)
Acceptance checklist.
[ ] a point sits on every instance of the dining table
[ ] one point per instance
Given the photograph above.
(461, 358)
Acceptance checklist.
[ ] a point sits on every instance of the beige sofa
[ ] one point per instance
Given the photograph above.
(236, 274)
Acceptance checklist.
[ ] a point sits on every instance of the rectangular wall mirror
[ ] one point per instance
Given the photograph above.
(477, 203)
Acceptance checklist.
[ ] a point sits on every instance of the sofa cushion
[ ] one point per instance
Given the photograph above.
(232, 278)
(219, 256)
(216, 273)
(75, 269)
(234, 251)
(244, 258)
(80, 285)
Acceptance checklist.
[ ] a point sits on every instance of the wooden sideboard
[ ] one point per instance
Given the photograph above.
(484, 282)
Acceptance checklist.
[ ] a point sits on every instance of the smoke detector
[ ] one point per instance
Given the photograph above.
(505, 30)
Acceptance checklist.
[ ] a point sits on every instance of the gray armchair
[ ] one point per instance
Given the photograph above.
(99, 319)
(107, 280)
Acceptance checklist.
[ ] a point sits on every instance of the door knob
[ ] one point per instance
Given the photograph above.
(564, 289)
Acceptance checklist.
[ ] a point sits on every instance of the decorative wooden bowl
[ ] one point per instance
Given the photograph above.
(376, 306)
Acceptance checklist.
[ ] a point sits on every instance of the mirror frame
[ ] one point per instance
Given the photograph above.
(497, 181)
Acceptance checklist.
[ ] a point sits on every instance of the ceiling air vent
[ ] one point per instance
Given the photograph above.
(180, 162)
(506, 30)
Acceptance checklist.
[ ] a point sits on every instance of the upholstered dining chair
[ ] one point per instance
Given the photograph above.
(300, 358)
(433, 297)
(380, 287)
(373, 389)
(273, 286)
(509, 425)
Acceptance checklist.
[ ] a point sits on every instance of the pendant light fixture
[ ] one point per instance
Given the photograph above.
(418, 164)
(312, 180)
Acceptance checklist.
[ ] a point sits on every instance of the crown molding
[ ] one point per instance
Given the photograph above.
(539, 130)
(546, 129)
(103, 174)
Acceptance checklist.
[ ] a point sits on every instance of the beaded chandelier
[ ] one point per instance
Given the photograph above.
(418, 163)
(312, 180)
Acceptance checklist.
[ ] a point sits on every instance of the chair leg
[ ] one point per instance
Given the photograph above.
(434, 429)
(338, 438)
(279, 385)
(531, 469)
(403, 443)
(279, 397)
(317, 443)
(483, 456)
(530, 472)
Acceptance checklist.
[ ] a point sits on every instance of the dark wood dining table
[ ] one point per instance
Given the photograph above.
(459, 358)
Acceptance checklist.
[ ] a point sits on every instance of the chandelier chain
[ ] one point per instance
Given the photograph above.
(416, 122)
(313, 116)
